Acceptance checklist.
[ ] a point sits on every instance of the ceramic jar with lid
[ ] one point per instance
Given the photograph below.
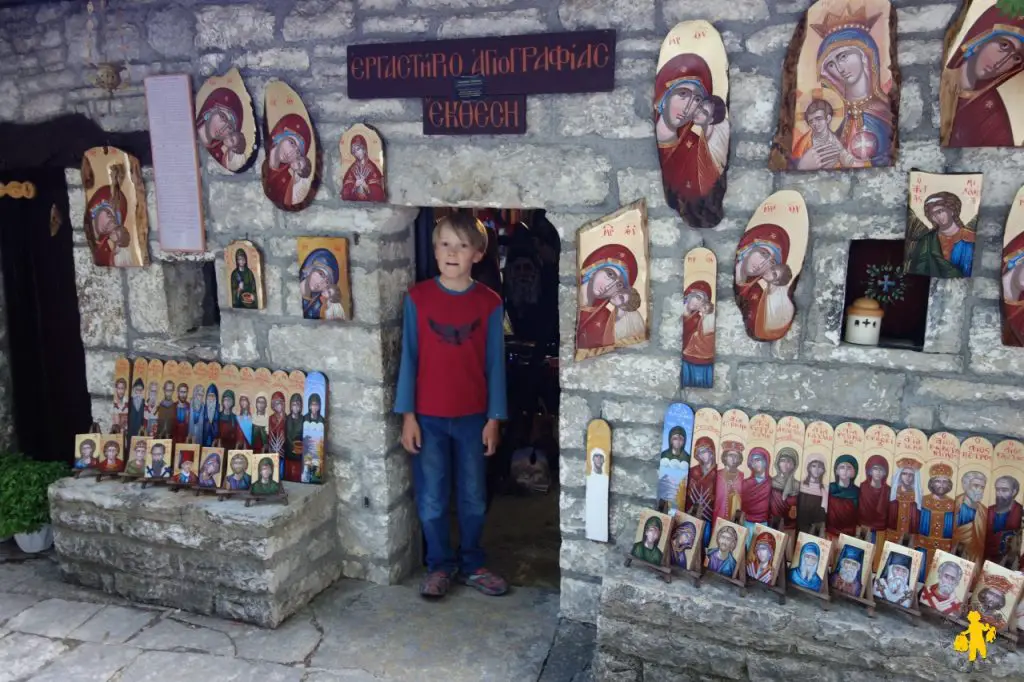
(864, 322)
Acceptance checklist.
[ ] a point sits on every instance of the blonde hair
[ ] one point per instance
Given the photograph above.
(466, 227)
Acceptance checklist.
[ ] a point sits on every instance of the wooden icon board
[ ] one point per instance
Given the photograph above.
(686, 544)
(909, 456)
(840, 89)
(314, 428)
(122, 395)
(87, 451)
(699, 290)
(112, 455)
(766, 554)
(154, 378)
(296, 390)
(975, 493)
(225, 121)
(363, 174)
(769, 258)
(159, 458)
(1007, 509)
(243, 270)
(266, 474)
(755, 494)
(981, 96)
(674, 460)
(790, 433)
(843, 492)
(116, 221)
(238, 473)
(650, 543)
(700, 486)
(941, 224)
(875, 492)
(597, 470)
(137, 397)
(947, 586)
(210, 472)
(186, 464)
(726, 553)
(996, 594)
(279, 408)
(729, 481)
(939, 475)
(809, 567)
(897, 579)
(613, 282)
(135, 458)
(324, 278)
(291, 166)
(851, 569)
(813, 499)
(1012, 299)
(691, 121)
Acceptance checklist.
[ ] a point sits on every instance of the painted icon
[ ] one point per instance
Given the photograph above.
(941, 224)
(324, 282)
(613, 283)
(116, 222)
(974, 496)
(362, 165)
(982, 82)
(764, 559)
(699, 291)
(136, 458)
(843, 491)
(227, 430)
(910, 454)
(812, 502)
(875, 491)
(211, 468)
(267, 476)
(1012, 275)
(186, 464)
(729, 481)
(291, 167)
(113, 453)
(279, 412)
(158, 458)
(674, 461)
(996, 595)
(700, 487)
(786, 473)
(597, 470)
(122, 379)
(183, 408)
(851, 572)
(840, 89)
(225, 124)
(685, 543)
(938, 508)
(1004, 516)
(756, 489)
(293, 465)
(948, 583)
(314, 428)
(154, 379)
(167, 407)
(651, 541)
(87, 453)
(244, 269)
(239, 470)
(728, 543)
(691, 121)
(811, 562)
(897, 580)
(769, 258)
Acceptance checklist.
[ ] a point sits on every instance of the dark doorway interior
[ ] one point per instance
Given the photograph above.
(50, 401)
(522, 533)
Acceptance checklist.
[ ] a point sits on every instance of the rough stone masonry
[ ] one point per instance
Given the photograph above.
(582, 157)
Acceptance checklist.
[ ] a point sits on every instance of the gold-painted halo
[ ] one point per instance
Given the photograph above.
(831, 96)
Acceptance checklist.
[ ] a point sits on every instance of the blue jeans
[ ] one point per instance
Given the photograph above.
(446, 442)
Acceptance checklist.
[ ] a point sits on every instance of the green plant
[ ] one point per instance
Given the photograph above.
(24, 505)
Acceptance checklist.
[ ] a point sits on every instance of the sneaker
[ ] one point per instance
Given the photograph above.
(482, 580)
(436, 584)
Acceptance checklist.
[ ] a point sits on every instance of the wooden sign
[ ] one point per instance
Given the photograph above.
(789, 447)
(362, 165)
(291, 167)
(116, 222)
(941, 224)
(699, 290)
(598, 471)
(497, 115)
(613, 282)
(812, 502)
(840, 89)
(1004, 516)
(244, 269)
(691, 121)
(700, 486)
(674, 461)
(225, 121)
(981, 101)
(729, 482)
(769, 258)
(1012, 302)
(843, 492)
(910, 454)
(975, 493)
(324, 282)
(581, 61)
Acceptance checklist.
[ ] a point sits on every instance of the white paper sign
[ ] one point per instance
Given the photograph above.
(172, 135)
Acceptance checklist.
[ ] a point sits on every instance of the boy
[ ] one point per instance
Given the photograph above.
(451, 393)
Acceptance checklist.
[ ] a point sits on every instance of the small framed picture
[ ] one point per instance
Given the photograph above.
(996, 595)
(948, 584)
(810, 562)
(851, 572)
(186, 464)
(685, 543)
(725, 550)
(896, 581)
(87, 451)
(239, 470)
(266, 474)
(211, 468)
(158, 458)
(651, 540)
(764, 559)
(136, 465)
(112, 458)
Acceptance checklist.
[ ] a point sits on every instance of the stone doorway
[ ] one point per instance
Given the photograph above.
(522, 534)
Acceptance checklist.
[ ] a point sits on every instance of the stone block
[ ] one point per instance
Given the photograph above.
(470, 176)
(319, 20)
(172, 31)
(911, 105)
(639, 442)
(238, 206)
(752, 102)
(636, 184)
(851, 393)
(103, 661)
(274, 59)
(336, 347)
(574, 415)
(919, 155)
(578, 600)
(100, 303)
(821, 188)
(890, 358)
(99, 371)
(583, 556)
(996, 419)
(988, 354)
(372, 25)
(633, 412)
(25, 654)
(825, 316)
(924, 19)
(956, 390)
(630, 374)
(772, 39)
(947, 313)
(747, 189)
(232, 26)
(886, 187)
(493, 24)
(1002, 169)
(912, 52)
(920, 418)
(55, 618)
(631, 478)
(740, 10)
(613, 667)
(578, 15)
(238, 338)
(608, 114)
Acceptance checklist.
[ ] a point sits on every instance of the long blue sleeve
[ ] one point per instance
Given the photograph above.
(405, 395)
(497, 401)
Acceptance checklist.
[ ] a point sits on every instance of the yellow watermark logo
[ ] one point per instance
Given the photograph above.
(972, 640)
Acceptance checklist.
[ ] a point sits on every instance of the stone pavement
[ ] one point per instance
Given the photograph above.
(354, 632)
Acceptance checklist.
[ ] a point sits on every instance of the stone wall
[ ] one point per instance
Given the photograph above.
(583, 156)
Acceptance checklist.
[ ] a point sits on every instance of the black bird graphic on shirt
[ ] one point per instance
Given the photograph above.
(451, 333)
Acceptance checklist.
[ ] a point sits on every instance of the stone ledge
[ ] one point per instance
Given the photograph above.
(257, 564)
(713, 631)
